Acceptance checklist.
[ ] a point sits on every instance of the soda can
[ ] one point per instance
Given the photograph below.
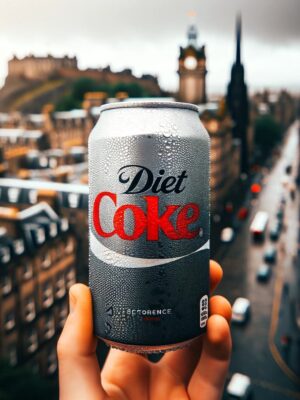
(149, 225)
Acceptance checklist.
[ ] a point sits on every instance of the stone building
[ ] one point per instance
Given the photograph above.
(37, 259)
(17, 142)
(46, 141)
(280, 105)
(33, 81)
(67, 129)
(225, 152)
(69, 201)
(192, 70)
(39, 68)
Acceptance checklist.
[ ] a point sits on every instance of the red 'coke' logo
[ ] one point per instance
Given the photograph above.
(150, 222)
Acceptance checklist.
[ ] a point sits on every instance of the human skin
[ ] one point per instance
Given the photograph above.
(197, 372)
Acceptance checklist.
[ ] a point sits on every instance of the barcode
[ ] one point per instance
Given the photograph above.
(203, 311)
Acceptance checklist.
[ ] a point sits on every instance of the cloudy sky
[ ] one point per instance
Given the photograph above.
(145, 36)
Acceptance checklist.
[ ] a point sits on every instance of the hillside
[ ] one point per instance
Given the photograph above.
(28, 88)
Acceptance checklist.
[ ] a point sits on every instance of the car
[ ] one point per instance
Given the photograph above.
(279, 222)
(240, 310)
(259, 225)
(239, 386)
(288, 169)
(270, 255)
(274, 234)
(242, 213)
(263, 273)
(293, 193)
(280, 213)
(227, 235)
(275, 231)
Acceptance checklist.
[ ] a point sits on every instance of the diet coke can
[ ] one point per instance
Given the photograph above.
(149, 225)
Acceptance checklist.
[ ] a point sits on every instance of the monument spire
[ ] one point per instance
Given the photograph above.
(237, 100)
(238, 38)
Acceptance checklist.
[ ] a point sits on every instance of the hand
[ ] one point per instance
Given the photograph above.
(194, 373)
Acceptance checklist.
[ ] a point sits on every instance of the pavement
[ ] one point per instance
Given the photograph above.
(257, 346)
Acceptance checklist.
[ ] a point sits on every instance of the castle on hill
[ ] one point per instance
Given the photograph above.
(32, 81)
(39, 68)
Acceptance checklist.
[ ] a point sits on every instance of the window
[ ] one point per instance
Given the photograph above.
(53, 162)
(51, 361)
(43, 162)
(47, 295)
(60, 249)
(70, 246)
(33, 196)
(27, 270)
(64, 224)
(13, 194)
(6, 284)
(29, 309)
(34, 366)
(9, 320)
(40, 235)
(70, 278)
(62, 315)
(73, 199)
(19, 246)
(31, 340)
(4, 255)
(49, 328)
(60, 287)
(53, 229)
(46, 260)
(12, 355)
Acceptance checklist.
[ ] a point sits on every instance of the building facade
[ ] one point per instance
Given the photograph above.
(37, 258)
(225, 153)
(17, 142)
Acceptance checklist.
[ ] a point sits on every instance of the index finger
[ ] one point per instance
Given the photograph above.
(215, 273)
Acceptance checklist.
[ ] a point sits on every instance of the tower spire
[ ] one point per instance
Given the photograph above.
(192, 36)
(238, 38)
(192, 33)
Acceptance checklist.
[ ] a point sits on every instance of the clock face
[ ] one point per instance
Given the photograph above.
(190, 62)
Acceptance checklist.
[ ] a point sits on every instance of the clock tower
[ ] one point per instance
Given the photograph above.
(192, 70)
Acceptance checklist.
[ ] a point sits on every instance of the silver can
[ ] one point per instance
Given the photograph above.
(149, 225)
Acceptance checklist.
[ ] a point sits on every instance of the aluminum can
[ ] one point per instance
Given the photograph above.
(149, 225)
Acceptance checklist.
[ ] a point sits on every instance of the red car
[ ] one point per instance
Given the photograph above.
(242, 213)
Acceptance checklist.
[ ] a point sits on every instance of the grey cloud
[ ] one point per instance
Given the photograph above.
(270, 21)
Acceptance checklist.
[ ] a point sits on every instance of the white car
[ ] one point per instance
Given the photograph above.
(227, 235)
(240, 310)
(239, 386)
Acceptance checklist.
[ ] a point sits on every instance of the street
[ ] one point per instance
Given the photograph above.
(257, 349)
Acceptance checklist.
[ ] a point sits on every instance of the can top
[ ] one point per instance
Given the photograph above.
(149, 104)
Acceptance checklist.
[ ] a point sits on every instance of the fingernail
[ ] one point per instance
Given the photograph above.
(72, 302)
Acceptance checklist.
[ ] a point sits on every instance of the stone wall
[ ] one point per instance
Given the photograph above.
(39, 68)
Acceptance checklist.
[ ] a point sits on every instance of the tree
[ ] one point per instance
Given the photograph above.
(84, 85)
(267, 133)
(81, 86)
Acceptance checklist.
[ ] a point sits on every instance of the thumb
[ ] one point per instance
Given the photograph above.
(79, 371)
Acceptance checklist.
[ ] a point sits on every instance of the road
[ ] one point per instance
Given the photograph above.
(257, 350)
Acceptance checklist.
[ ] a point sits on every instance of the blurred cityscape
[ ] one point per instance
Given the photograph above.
(48, 107)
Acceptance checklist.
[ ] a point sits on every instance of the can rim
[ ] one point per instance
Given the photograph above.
(149, 104)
